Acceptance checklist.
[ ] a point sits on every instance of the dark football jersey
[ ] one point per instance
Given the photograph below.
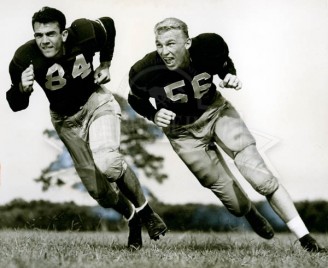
(187, 92)
(67, 82)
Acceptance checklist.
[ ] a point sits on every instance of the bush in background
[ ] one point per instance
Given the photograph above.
(20, 214)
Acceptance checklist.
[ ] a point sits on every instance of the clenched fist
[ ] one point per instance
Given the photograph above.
(164, 117)
(27, 79)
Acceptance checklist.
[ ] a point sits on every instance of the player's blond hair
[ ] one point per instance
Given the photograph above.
(171, 24)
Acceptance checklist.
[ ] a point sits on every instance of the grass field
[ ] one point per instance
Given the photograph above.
(177, 250)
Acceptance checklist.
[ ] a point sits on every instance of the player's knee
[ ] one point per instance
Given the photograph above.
(207, 178)
(268, 186)
(245, 151)
(112, 165)
(252, 166)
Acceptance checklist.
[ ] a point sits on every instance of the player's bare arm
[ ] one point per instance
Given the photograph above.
(164, 117)
(102, 74)
(27, 81)
(231, 81)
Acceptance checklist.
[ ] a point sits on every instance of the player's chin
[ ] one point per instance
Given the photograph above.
(172, 68)
(49, 52)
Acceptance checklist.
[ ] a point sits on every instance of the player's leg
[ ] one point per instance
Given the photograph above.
(212, 173)
(258, 223)
(253, 168)
(234, 137)
(207, 164)
(106, 194)
(104, 141)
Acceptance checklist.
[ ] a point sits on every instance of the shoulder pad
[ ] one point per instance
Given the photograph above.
(209, 43)
(82, 30)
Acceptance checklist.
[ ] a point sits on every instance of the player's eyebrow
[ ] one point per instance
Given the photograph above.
(37, 34)
(171, 40)
(166, 41)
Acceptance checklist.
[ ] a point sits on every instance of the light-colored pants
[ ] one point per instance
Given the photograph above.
(196, 145)
(92, 137)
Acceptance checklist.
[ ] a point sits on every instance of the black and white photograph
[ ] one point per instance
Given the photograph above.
(165, 133)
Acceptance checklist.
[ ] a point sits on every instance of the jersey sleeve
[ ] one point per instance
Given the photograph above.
(138, 97)
(17, 100)
(99, 34)
(106, 53)
(228, 68)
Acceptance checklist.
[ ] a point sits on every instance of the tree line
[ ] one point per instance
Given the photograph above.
(20, 214)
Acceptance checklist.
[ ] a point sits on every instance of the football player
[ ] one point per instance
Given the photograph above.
(194, 116)
(85, 115)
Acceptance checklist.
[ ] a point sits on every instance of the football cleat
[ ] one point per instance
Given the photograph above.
(135, 233)
(154, 225)
(259, 224)
(310, 244)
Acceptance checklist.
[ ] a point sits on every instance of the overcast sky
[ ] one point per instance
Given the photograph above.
(280, 50)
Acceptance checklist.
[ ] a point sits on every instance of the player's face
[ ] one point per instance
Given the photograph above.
(172, 46)
(49, 38)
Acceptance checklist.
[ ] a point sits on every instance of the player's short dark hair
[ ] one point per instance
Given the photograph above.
(49, 14)
(171, 24)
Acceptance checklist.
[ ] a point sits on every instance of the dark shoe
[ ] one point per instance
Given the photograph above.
(311, 245)
(259, 224)
(155, 226)
(135, 235)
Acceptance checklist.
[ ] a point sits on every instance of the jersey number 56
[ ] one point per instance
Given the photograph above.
(199, 90)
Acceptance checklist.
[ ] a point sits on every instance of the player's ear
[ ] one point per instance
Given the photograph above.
(188, 43)
(64, 35)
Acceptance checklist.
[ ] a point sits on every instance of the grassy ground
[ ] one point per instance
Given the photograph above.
(176, 250)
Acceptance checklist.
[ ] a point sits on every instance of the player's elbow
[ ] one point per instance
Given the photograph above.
(16, 107)
(16, 100)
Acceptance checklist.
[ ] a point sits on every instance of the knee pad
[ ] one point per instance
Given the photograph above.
(111, 164)
(268, 187)
(251, 165)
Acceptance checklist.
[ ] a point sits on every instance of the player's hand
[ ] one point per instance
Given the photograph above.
(102, 75)
(231, 81)
(164, 117)
(27, 79)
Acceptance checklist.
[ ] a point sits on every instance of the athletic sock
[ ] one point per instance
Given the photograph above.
(138, 209)
(132, 215)
(297, 227)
